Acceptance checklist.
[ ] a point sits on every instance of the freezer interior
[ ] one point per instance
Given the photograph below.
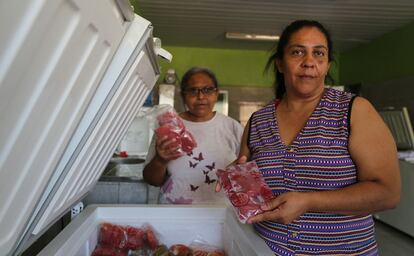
(215, 225)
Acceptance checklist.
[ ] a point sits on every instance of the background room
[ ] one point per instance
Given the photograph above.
(373, 42)
(79, 81)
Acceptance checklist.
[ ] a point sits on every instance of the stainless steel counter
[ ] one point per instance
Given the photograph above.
(122, 183)
(127, 169)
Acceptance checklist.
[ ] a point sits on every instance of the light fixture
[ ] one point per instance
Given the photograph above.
(252, 37)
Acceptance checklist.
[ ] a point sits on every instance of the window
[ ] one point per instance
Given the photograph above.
(246, 109)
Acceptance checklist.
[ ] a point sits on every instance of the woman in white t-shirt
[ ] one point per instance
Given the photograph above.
(191, 179)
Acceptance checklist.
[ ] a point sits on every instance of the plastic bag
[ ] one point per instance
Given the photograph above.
(169, 124)
(201, 248)
(151, 238)
(245, 188)
(114, 236)
(106, 250)
(179, 250)
(135, 238)
(119, 240)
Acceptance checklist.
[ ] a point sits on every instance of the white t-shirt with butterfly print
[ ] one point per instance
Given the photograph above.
(192, 177)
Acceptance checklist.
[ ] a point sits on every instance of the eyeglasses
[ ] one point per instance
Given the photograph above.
(209, 90)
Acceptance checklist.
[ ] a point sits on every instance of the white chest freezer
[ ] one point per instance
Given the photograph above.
(73, 75)
(216, 225)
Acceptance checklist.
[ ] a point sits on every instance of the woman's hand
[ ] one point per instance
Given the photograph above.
(167, 149)
(155, 171)
(284, 208)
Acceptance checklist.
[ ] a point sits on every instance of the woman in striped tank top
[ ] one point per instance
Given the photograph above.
(327, 155)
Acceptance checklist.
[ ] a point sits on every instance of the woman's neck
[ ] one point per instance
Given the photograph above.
(187, 115)
(293, 103)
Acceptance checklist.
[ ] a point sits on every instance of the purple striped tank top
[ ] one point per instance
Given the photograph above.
(317, 160)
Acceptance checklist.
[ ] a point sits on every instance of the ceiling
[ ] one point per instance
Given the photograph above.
(203, 23)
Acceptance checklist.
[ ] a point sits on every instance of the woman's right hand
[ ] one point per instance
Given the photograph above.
(240, 160)
(167, 149)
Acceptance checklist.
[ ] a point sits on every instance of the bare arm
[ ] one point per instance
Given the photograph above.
(244, 148)
(155, 171)
(374, 153)
(373, 150)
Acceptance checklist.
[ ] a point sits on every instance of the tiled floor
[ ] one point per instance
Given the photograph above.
(392, 242)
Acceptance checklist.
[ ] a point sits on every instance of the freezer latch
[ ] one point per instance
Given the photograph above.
(160, 51)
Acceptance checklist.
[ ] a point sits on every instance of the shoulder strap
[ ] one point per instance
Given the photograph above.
(349, 113)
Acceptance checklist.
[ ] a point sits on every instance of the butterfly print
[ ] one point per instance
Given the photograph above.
(208, 181)
(212, 166)
(206, 172)
(192, 165)
(190, 154)
(199, 158)
(193, 188)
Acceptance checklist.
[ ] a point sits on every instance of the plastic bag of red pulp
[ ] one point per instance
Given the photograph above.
(246, 189)
(169, 124)
(119, 240)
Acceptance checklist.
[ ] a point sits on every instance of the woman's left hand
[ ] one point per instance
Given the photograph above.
(284, 208)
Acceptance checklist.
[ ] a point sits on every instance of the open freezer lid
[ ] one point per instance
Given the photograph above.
(72, 78)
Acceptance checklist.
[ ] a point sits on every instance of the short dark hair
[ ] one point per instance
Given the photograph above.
(196, 70)
(280, 51)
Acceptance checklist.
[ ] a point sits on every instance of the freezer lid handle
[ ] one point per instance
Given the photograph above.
(160, 51)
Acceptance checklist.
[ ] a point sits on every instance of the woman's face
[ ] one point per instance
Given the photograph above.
(305, 62)
(200, 96)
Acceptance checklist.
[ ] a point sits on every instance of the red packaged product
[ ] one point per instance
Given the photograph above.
(135, 238)
(201, 248)
(246, 189)
(180, 250)
(150, 238)
(113, 235)
(172, 126)
(200, 253)
(107, 250)
(170, 117)
(188, 142)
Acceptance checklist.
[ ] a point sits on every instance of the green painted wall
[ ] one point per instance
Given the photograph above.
(334, 69)
(134, 4)
(232, 67)
(388, 57)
